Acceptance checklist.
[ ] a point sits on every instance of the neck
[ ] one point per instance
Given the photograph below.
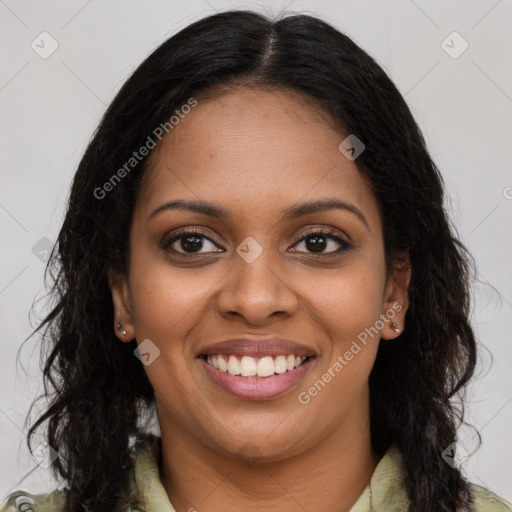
(329, 476)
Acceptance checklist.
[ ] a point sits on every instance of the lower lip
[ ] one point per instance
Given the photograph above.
(257, 388)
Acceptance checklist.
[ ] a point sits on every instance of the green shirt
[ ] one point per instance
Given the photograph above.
(384, 493)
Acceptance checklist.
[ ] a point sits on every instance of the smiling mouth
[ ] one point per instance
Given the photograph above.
(247, 366)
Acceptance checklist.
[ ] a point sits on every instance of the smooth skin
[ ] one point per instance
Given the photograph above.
(256, 153)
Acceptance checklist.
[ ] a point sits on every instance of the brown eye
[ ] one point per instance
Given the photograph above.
(320, 242)
(189, 242)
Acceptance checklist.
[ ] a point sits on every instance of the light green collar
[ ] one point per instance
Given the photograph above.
(385, 492)
(147, 477)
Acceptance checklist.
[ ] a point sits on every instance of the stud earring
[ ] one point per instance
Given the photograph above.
(121, 330)
(395, 327)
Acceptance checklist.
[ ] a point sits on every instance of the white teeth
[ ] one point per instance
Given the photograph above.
(234, 366)
(223, 365)
(265, 367)
(280, 364)
(250, 366)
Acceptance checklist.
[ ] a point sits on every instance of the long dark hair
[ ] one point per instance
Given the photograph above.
(98, 391)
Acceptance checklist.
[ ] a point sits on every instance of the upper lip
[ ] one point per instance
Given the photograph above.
(258, 347)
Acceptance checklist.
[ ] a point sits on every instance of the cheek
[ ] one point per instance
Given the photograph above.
(166, 304)
(347, 305)
(165, 299)
(349, 301)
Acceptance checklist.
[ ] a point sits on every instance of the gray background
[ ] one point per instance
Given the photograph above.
(51, 106)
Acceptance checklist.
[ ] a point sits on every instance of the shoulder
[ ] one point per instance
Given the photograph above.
(387, 490)
(145, 451)
(23, 501)
(487, 501)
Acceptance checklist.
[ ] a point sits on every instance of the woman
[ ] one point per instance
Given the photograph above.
(256, 245)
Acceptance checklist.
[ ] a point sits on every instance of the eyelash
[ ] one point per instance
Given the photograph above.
(344, 245)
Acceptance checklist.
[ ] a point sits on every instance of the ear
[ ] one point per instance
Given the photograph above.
(123, 322)
(396, 297)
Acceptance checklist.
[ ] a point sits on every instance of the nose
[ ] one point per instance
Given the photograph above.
(256, 291)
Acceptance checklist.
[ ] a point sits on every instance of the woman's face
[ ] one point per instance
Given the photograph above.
(259, 265)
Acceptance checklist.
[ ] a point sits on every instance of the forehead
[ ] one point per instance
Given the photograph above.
(250, 149)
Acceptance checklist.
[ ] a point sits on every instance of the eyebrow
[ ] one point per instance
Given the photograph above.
(292, 213)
